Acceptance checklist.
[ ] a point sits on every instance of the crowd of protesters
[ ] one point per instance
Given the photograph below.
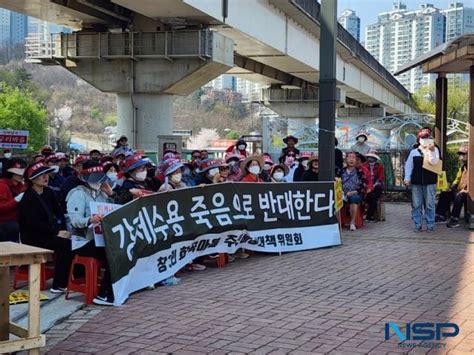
(43, 203)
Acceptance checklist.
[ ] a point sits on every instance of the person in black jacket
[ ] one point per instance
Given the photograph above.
(42, 222)
(312, 173)
(303, 166)
(422, 181)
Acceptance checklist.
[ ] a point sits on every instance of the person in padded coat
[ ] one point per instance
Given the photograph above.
(42, 223)
(93, 186)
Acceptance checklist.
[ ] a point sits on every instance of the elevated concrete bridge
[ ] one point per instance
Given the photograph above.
(147, 50)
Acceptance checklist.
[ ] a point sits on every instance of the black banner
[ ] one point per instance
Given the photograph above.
(172, 228)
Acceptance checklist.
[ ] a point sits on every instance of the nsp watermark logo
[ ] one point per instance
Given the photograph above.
(422, 332)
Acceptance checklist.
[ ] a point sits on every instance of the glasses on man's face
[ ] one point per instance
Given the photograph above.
(291, 155)
(196, 156)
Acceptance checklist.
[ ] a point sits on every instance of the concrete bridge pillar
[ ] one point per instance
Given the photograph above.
(145, 70)
(141, 117)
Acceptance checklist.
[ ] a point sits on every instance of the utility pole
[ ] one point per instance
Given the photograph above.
(327, 89)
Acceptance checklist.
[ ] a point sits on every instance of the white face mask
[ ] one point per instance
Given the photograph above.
(213, 172)
(176, 178)
(112, 176)
(278, 176)
(141, 176)
(7, 155)
(241, 147)
(95, 185)
(305, 163)
(254, 169)
(267, 167)
(361, 139)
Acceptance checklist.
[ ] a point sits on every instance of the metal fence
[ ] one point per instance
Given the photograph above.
(165, 44)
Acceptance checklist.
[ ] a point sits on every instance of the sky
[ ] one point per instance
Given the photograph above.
(368, 10)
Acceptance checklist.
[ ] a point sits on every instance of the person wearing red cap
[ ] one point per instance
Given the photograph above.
(209, 172)
(303, 165)
(56, 181)
(173, 175)
(64, 169)
(135, 184)
(72, 181)
(422, 181)
(94, 187)
(457, 193)
(11, 193)
(234, 172)
(42, 222)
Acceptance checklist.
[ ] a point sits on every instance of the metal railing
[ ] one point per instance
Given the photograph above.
(312, 9)
(129, 45)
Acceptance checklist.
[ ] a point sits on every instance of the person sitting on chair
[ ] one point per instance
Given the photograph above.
(375, 170)
(458, 193)
(353, 186)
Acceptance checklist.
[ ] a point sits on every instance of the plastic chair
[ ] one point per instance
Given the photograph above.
(221, 260)
(346, 216)
(89, 284)
(21, 274)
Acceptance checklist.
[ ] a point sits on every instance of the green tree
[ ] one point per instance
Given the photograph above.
(18, 110)
(233, 134)
(458, 100)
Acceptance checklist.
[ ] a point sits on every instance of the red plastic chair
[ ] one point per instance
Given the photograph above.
(221, 260)
(21, 274)
(346, 216)
(89, 284)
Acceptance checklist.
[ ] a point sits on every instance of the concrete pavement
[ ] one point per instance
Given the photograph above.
(334, 300)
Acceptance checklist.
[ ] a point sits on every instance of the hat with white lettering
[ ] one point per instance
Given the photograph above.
(207, 164)
(171, 165)
(37, 169)
(133, 163)
(92, 172)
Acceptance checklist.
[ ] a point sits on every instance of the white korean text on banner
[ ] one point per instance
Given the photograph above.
(151, 238)
(14, 139)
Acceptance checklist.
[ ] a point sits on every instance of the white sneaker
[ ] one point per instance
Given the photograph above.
(353, 227)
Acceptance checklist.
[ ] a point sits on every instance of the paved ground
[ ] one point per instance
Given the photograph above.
(333, 300)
